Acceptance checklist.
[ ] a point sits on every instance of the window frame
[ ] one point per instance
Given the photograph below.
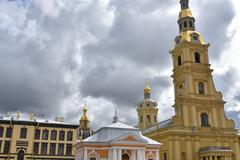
(201, 88)
(44, 148)
(61, 136)
(1, 131)
(7, 145)
(60, 148)
(53, 135)
(197, 57)
(36, 148)
(9, 132)
(69, 135)
(37, 133)
(45, 137)
(23, 133)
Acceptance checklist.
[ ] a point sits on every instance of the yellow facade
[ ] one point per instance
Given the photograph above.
(199, 130)
(38, 139)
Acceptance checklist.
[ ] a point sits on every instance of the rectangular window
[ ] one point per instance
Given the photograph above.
(44, 148)
(52, 150)
(61, 135)
(23, 133)
(60, 149)
(6, 147)
(69, 135)
(148, 119)
(45, 135)
(37, 134)
(35, 148)
(141, 119)
(1, 131)
(9, 132)
(155, 119)
(69, 150)
(53, 135)
(0, 146)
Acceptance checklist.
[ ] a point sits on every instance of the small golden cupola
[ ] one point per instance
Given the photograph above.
(147, 91)
(147, 110)
(84, 130)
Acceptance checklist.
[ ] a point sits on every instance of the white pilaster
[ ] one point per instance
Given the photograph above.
(143, 154)
(114, 154)
(85, 154)
(157, 155)
(109, 154)
(119, 154)
(139, 156)
(133, 155)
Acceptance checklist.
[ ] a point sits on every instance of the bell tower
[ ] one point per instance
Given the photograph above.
(147, 110)
(197, 102)
(84, 129)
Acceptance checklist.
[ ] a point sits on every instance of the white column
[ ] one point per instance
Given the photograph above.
(139, 156)
(157, 155)
(114, 154)
(85, 154)
(143, 154)
(119, 154)
(109, 154)
(133, 155)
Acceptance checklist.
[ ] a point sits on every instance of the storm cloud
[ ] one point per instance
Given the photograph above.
(57, 55)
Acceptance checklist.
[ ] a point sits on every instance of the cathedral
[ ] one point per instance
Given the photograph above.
(199, 130)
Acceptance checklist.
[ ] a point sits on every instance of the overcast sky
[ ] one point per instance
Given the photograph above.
(57, 55)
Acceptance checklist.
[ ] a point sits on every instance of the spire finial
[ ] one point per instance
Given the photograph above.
(115, 118)
(147, 90)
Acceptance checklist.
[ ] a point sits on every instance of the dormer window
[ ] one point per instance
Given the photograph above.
(178, 40)
(195, 37)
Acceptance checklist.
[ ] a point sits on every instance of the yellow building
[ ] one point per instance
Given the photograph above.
(199, 130)
(24, 138)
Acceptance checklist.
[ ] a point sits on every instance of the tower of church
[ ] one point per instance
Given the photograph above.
(197, 103)
(84, 129)
(147, 110)
(199, 130)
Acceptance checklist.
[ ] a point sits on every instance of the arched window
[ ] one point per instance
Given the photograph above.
(20, 155)
(179, 60)
(190, 24)
(200, 88)
(204, 120)
(148, 119)
(180, 90)
(125, 157)
(185, 24)
(197, 57)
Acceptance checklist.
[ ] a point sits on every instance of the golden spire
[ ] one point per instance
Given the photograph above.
(186, 20)
(147, 90)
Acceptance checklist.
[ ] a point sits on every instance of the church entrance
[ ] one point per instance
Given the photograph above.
(20, 155)
(125, 157)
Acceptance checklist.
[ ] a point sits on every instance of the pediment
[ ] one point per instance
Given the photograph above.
(129, 138)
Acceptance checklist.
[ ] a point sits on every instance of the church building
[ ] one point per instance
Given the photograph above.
(199, 130)
(117, 141)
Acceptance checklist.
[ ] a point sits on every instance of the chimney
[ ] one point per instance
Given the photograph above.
(18, 115)
(31, 116)
(59, 119)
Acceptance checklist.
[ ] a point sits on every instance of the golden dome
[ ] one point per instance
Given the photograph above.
(84, 116)
(147, 89)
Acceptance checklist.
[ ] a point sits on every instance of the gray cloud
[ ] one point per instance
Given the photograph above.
(120, 45)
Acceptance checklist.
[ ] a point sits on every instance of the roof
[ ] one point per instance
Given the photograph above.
(115, 131)
(35, 121)
(159, 125)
